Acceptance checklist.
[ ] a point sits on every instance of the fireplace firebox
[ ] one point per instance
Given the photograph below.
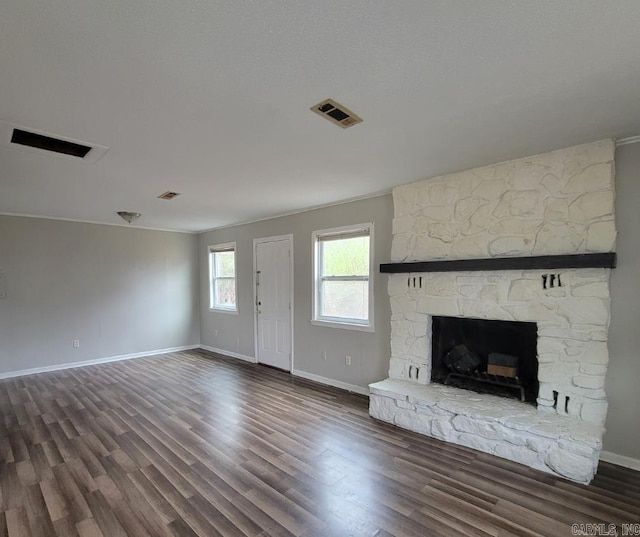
(486, 356)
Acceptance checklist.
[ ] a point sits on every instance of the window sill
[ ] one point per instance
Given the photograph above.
(344, 326)
(221, 310)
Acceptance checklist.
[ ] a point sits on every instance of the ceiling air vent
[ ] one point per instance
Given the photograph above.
(168, 195)
(35, 141)
(336, 113)
(49, 144)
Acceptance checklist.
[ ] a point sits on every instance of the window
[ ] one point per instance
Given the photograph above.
(222, 272)
(343, 288)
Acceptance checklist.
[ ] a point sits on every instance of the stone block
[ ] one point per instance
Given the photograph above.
(594, 411)
(470, 291)
(556, 210)
(443, 232)
(404, 199)
(539, 445)
(591, 289)
(400, 345)
(419, 347)
(488, 430)
(443, 192)
(593, 178)
(412, 421)
(559, 372)
(570, 465)
(517, 203)
(438, 285)
(477, 442)
(557, 238)
(515, 226)
(585, 310)
(402, 225)
(482, 309)
(589, 381)
(382, 408)
(490, 292)
(532, 311)
(490, 189)
(400, 247)
(397, 285)
(418, 330)
(525, 290)
(421, 318)
(595, 353)
(466, 207)
(551, 345)
(470, 247)
(591, 206)
(520, 454)
(428, 249)
(397, 368)
(575, 447)
(601, 237)
(511, 246)
(593, 369)
(402, 304)
(438, 306)
(442, 429)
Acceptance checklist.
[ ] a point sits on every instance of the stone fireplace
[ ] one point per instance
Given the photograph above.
(559, 203)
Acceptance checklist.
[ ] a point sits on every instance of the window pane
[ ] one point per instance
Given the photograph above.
(348, 300)
(345, 257)
(225, 264)
(225, 292)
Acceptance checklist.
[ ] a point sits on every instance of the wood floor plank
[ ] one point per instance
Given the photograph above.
(193, 444)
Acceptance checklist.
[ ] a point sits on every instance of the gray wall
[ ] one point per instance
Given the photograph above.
(623, 376)
(118, 290)
(369, 351)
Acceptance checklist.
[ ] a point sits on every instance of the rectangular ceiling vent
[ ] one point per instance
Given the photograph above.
(168, 195)
(48, 143)
(336, 113)
(35, 141)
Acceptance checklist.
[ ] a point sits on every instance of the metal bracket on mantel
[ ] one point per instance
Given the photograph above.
(604, 260)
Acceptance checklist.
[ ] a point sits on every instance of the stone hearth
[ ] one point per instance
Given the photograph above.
(557, 203)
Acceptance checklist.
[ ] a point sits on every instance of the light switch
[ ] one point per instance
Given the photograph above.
(3, 290)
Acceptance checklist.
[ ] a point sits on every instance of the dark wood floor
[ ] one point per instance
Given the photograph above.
(193, 444)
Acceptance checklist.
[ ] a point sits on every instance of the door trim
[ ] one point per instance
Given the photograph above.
(288, 237)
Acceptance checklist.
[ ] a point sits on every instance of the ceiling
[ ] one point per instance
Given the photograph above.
(211, 98)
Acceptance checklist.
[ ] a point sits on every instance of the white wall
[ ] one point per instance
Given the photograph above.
(118, 290)
(369, 351)
(623, 424)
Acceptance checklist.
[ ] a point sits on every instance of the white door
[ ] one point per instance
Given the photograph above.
(273, 302)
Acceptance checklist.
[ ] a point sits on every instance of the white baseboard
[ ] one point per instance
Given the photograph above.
(294, 372)
(331, 382)
(69, 365)
(620, 460)
(231, 354)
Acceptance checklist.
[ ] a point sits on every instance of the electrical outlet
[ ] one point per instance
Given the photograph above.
(324, 355)
(76, 343)
(347, 360)
(215, 333)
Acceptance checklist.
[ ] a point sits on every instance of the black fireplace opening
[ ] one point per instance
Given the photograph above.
(486, 356)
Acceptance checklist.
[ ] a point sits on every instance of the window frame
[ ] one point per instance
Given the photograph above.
(341, 322)
(211, 251)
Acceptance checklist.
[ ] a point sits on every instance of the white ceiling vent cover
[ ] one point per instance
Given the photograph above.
(336, 113)
(168, 195)
(30, 140)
